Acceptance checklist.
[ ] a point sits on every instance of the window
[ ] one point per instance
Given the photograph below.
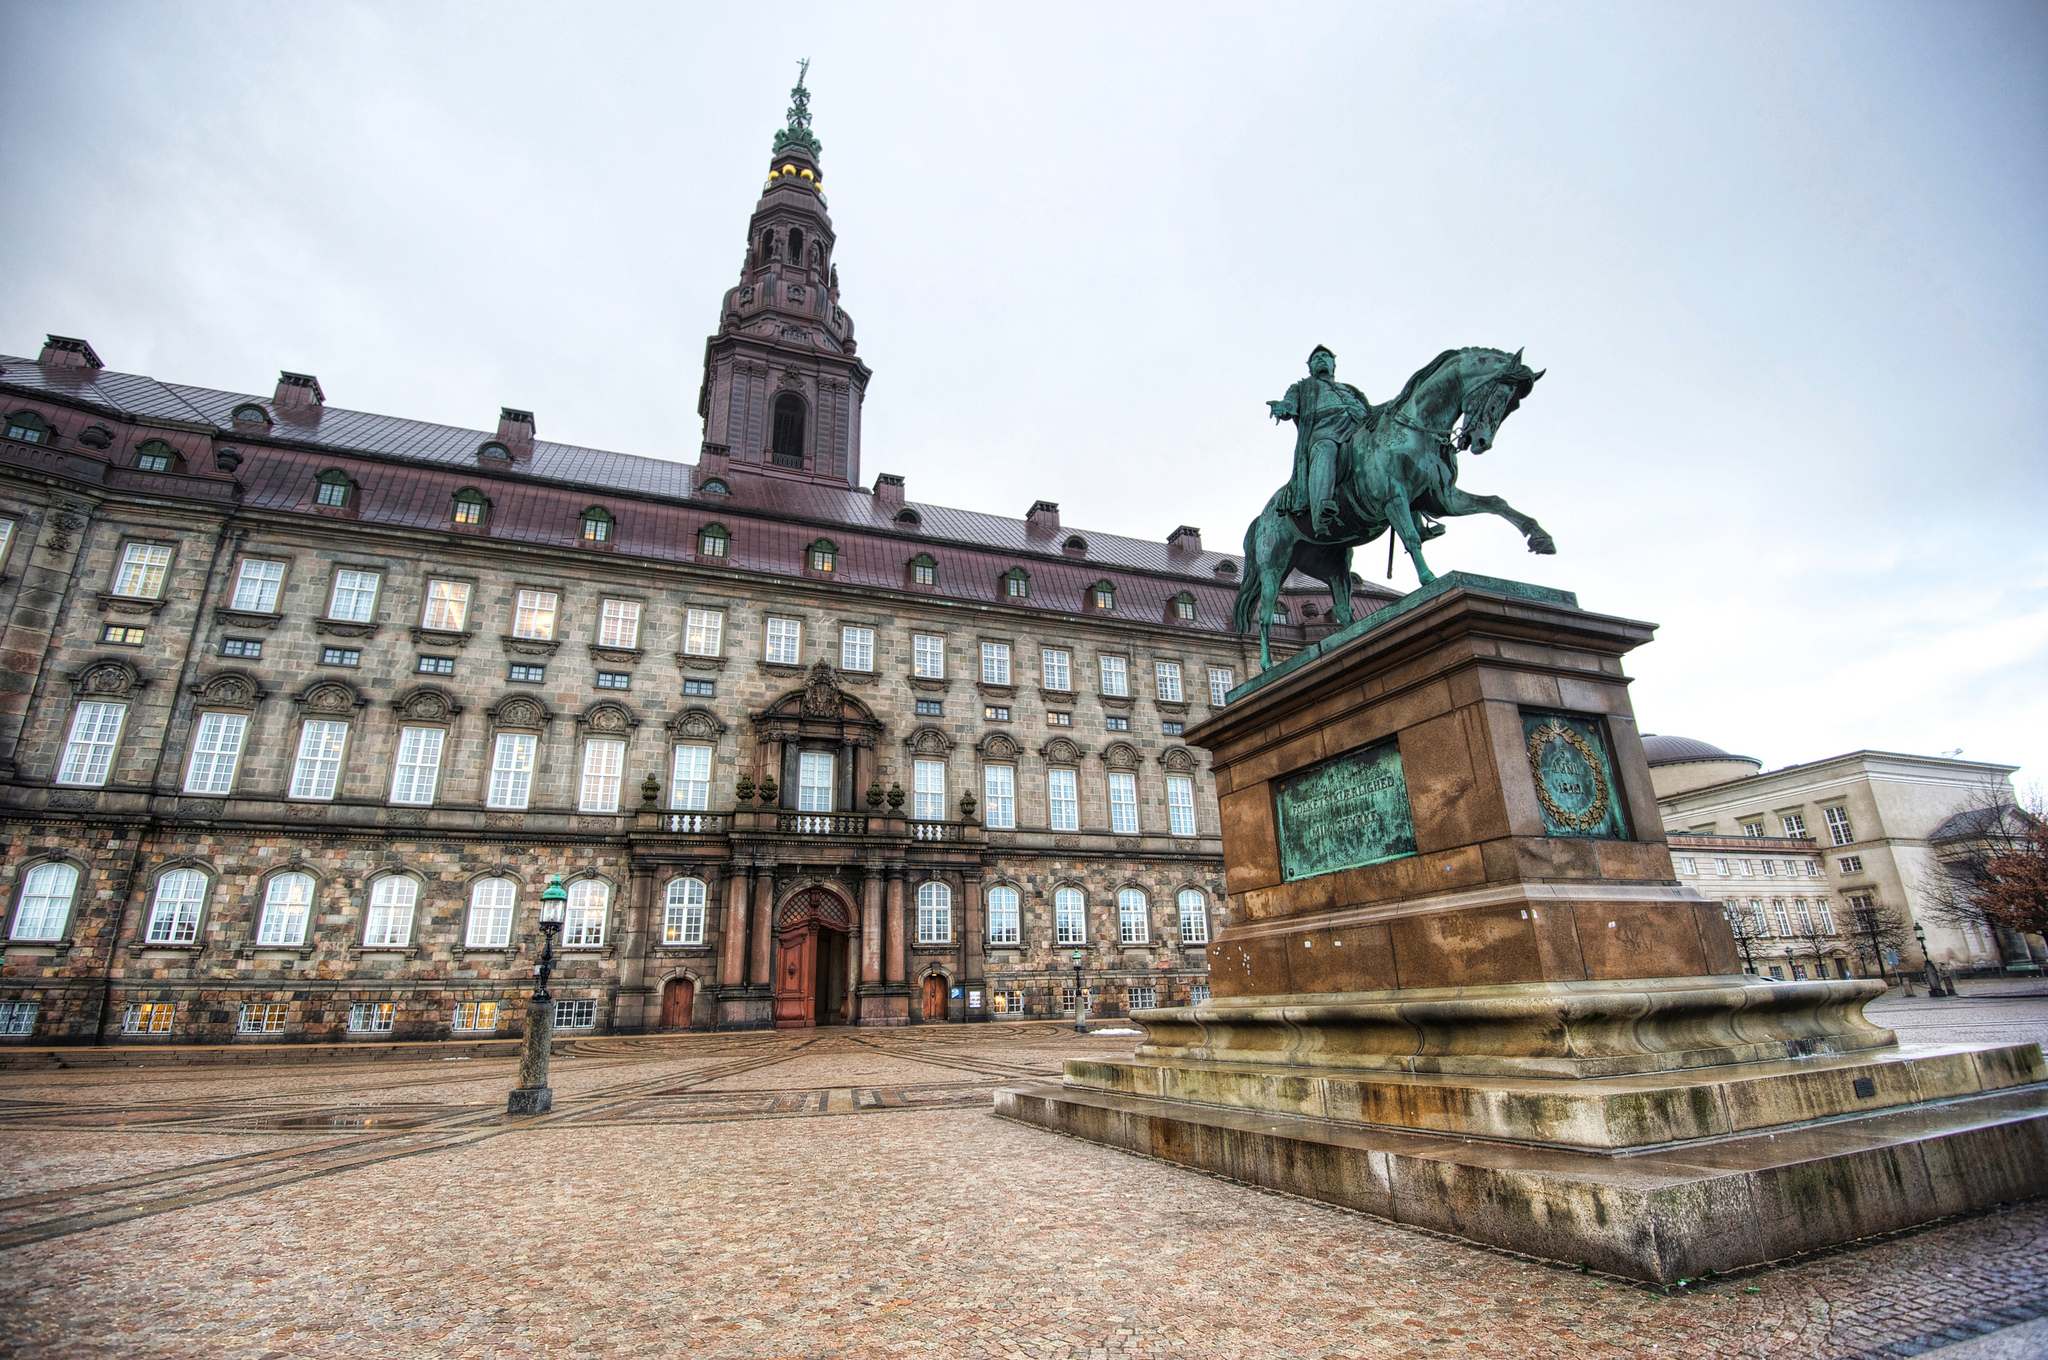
(575, 1014)
(1116, 677)
(604, 763)
(533, 615)
(614, 680)
(1770, 868)
(6, 537)
(995, 663)
(928, 656)
(355, 596)
(1057, 667)
(1798, 972)
(813, 782)
(1721, 867)
(1753, 829)
(1812, 868)
(786, 441)
(1009, 1002)
(1104, 595)
(436, 665)
(715, 487)
(17, 1017)
(419, 764)
(597, 525)
(262, 1018)
(528, 675)
(341, 656)
(712, 540)
(1063, 800)
(331, 488)
(287, 906)
(154, 456)
(511, 771)
(255, 413)
(45, 902)
(934, 914)
(931, 708)
(619, 625)
(1130, 917)
(1280, 615)
(1194, 917)
(690, 784)
(583, 919)
(1801, 916)
(1685, 865)
(1220, 681)
(1180, 804)
(856, 649)
(1184, 607)
(89, 750)
(704, 632)
(1143, 998)
(682, 921)
(1168, 673)
(701, 689)
(1058, 718)
(29, 428)
(928, 802)
(1123, 804)
(243, 647)
(1823, 917)
(785, 638)
(256, 586)
(1169, 727)
(447, 606)
(389, 924)
(1016, 584)
(469, 506)
(1745, 867)
(490, 914)
(1838, 825)
(924, 570)
(126, 637)
(996, 712)
(999, 796)
(216, 751)
(475, 1015)
(1116, 724)
(1795, 824)
(1069, 917)
(1779, 918)
(1198, 992)
(1067, 1000)
(142, 572)
(822, 556)
(1851, 864)
(1003, 917)
(371, 1017)
(148, 1017)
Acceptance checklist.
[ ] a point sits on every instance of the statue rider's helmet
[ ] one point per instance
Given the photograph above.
(1327, 358)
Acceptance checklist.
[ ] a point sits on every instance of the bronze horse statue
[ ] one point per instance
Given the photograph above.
(1399, 472)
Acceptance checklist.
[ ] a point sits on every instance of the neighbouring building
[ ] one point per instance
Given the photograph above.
(303, 707)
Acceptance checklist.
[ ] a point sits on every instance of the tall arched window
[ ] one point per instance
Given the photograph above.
(45, 902)
(1132, 927)
(1194, 917)
(1003, 926)
(287, 904)
(490, 913)
(796, 245)
(583, 920)
(683, 921)
(934, 914)
(1069, 917)
(391, 904)
(787, 446)
(29, 428)
(174, 913)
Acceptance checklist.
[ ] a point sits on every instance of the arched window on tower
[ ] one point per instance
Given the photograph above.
(796, 245)
(788, 444)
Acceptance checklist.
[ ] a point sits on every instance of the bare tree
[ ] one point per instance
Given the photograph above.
(1880, 931)
(1993, 857)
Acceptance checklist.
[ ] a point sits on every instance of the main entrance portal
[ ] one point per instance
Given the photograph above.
(811, 934)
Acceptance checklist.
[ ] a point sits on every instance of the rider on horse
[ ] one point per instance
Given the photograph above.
(1325, 413)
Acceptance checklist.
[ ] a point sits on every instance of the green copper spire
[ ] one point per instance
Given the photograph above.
(798, 134)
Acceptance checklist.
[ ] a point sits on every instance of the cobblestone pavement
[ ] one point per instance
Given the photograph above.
(827, 1193)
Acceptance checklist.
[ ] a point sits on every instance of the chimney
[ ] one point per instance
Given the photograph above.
(1044, 518)
(1186, 539)
(515, 431)
(888, 490)
(61, 351)
(295, 390)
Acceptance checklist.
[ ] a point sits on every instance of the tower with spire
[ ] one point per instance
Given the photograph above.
(782, 385)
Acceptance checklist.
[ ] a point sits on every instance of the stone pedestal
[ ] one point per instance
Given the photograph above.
(1462, 988)
(746, 1006)
(884, 1003)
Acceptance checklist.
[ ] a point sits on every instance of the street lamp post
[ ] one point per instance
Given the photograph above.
(1080, 1003)
(1934, 987)
(533, 1095)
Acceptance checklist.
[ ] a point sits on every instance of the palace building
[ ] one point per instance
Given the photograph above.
(303, 707)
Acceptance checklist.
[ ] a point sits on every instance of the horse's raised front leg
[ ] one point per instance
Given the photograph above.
(1459, 502)
(1403, 519)
(1332, 566)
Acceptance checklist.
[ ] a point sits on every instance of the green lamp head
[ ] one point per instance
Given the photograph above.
(554, 902)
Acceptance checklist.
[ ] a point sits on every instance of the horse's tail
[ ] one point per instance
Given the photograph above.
(1244, 613)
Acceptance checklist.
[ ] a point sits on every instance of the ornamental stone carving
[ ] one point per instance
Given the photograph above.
(821, 692)
(1178, 760)
(329, 696)
(696, 724)
(109, 677)
(608, 717)
(229, 689)
(928, 741)
(427, 703)
(1060, 751)
(998, 746)
(520, 710)
(1121, 756)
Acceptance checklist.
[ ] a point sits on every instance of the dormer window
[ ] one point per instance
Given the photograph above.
(1184, 607)
(1075, 546)
(154, 455)
(924, 570)
(470, 506)
(1016, 584)
(1280, 614)
(909, 517)
(787, 446)
(30, 428)
(714, 487)
(333, 488)
(597, 525)
(252, 414)
(1102, 595)
(494, 450)
(712, 540)
(823, 555)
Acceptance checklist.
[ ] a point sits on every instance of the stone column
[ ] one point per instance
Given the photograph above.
(896, 965)
(871, 927)
(629, 1005)
(733, 970)
(759, 969)
(972, 965)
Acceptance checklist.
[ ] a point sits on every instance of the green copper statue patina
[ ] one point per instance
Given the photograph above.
(1362, 470)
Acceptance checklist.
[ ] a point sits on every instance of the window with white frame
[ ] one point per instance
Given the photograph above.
(704, 633)
(1838, 825)
(1685, 864)
(533, 616)
(354, 599)
(604, 764)
(1850, 864)
(814, 781)
(1168, 675)
(174, 910)
(89, 750)
(1770, 868)
(1759, 922)
(418, 771)
(216, 752)
(1144, 996)
(785, 638)
(1058, 666)
(447, 606)
(317, 770)
(618, 624)
(999, 796)
(1198, 992)
(148, 1017)
(263, 1017)
(690, 788)
(45, 902)
(934, 914)
(287, 906)
(1754, 830)
(371, 1017)
(1194, 916)
(17, 1017)
(1180, 804)
(995, 663)
(1220, 681)
(511, 770)
(584, 918)
(1069, 917)
(1132, 927)
(1116, 677)
(928, 795)
(475, 1015)
(1801, 917)
(491, 903)
(1823, 916)
(1123, 804)
(257, 584)
(389, 923)
(682, 921)
(575, 1014)
(1795, 823)
(928, 656)
(1779, 917)
(1067, 999)
(856, 649)
(143, 569)
(1006, 1001)
(1004, 923)
(1063, 799)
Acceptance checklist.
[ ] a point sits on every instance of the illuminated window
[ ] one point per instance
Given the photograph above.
(143, 569)
(148, 1017)
(491, 903)
(266, 1017)
(1003, 922)
(584, 919)
(447, 606)
(823, 556)
(389, 923)
(469, 506)
(475, 1015)
(597, 525)
(683, 919)
(533, 615)
(287, 905)
(934, 913)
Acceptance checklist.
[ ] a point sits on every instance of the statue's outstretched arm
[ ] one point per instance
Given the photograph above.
(1283, 409)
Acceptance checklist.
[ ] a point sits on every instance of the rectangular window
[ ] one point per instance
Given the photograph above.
(17, 1017)
(1198, 992)
(1823, 916)
(511, 771)
(246, 647)
(1779, 918)
(143, 568)
(1812, 868)
(1168, 673)
(534, 615)
(1180, 804)
(1721, 867)
(1055, 718)
(174, 912)
(341, 656)
(355, 596)
(389, 923)
(264, 1018)
(1003, 923)
(256, 586)
(1115, 724)
(216, 752)
(711, 543)
(447, 606)
(1194, 918)
(604, 763)
(924, 573)
(931, 708)
(614, 679)
(1801, 918)
(995, 663)
(1007, 1003)
(1123, 804)
(575, 1014)
(683, 921)
(1838, 825)
(1063, 799)
(856, 649)
(1770, 867)
(785, 638)
(928, 657)
(1058, 667)
(1069, 917)
(475, 1015)
(528, 675)
(419, 764)
(89, 750)
(124, 636)
(1116, 677)
(1753, 829)
(583, 920)
(813, 782)
(690, 785)
(701, 689)
(704, 633)
(437, 665)
(1131, 925)
(1172, 729)
(996, 712)
(1016, 587)
(1067, 999)
(371, 1017)
(148, 1017)
(934, 916)
(1220, 682)
(929, 801)
(1747, 868)
(1685, 865)
(490, 914)
(1851, 864)
(619, 624)
(1143, 998)
(1795, 824)
(999, 796)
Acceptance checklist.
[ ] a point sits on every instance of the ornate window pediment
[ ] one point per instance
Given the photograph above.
(1060, 751)
(427, 703)
(1179, 760)
(230, 689)
(997, 746)
(928, 741)
(329, 696)
(1120, 755)
(608, 716)
(696, 724)
(111, 677)
(519, 710)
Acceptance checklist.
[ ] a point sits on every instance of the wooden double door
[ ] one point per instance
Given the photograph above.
(812, 957)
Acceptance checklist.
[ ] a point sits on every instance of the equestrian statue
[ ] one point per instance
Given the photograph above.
(1362, 470)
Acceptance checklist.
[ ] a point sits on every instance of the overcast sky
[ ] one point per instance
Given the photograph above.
(1784, 266)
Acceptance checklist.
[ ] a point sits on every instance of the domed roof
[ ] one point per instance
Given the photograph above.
(1687, 751)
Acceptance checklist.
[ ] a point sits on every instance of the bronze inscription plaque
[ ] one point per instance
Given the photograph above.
(1344, 813)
